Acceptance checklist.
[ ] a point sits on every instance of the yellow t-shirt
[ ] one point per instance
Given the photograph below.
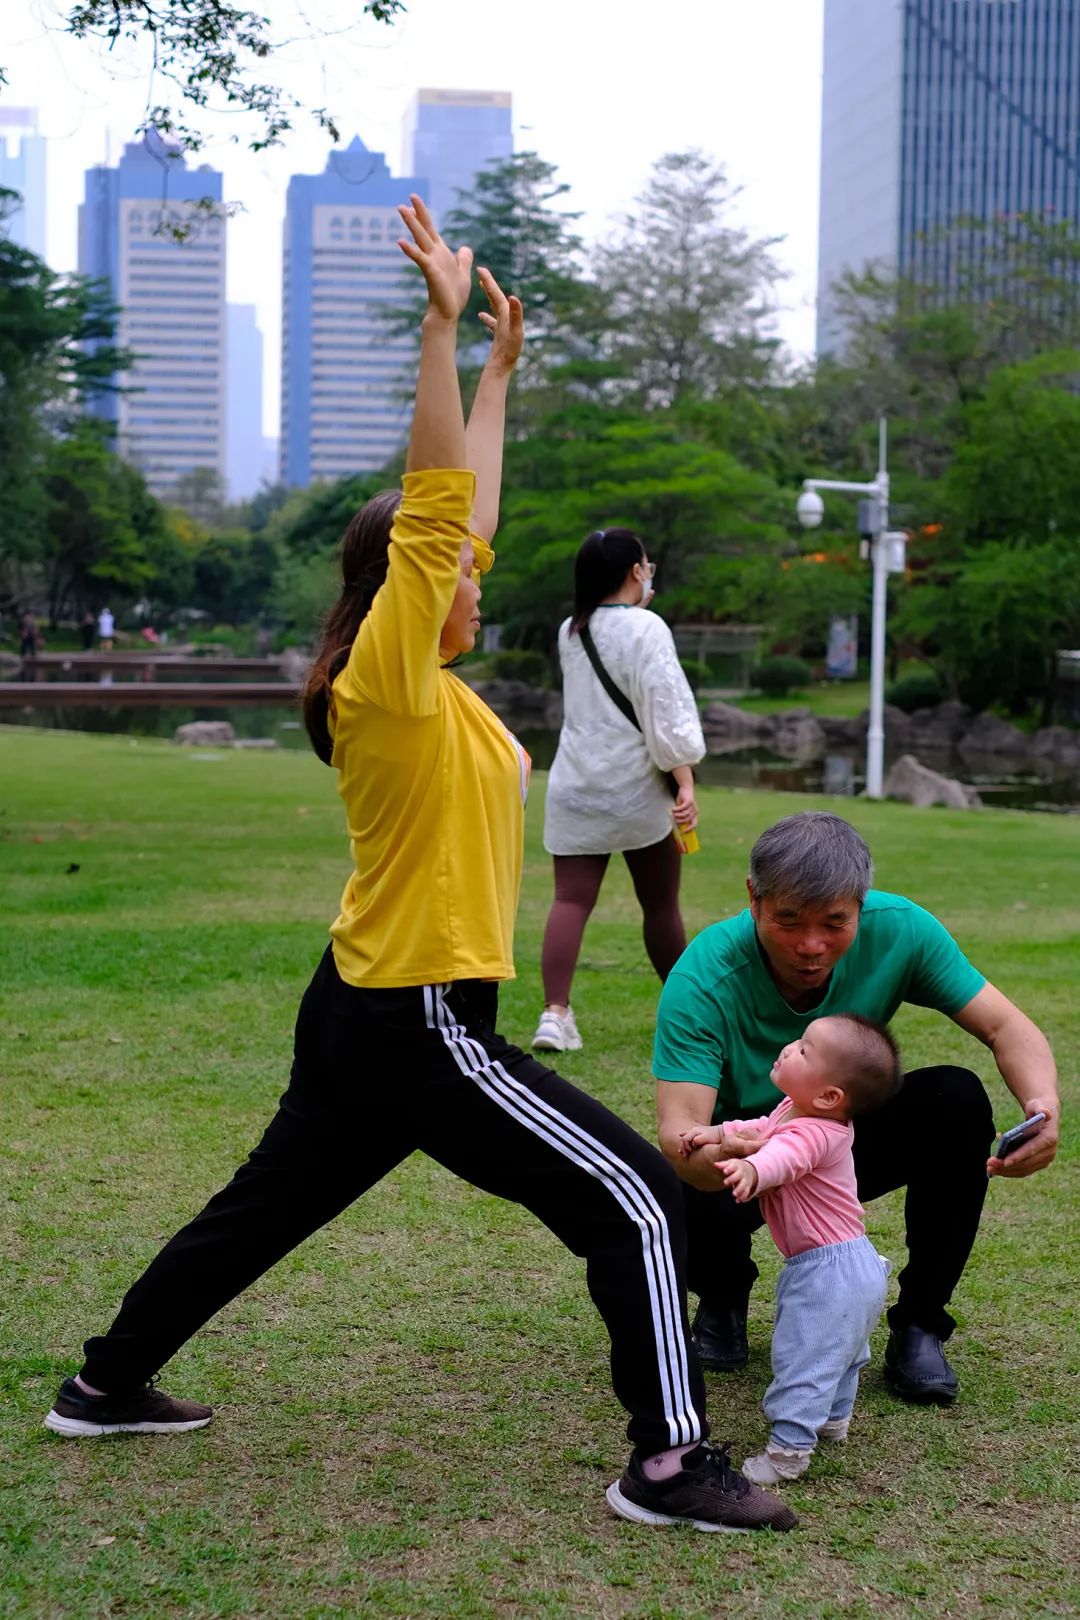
(433, 783)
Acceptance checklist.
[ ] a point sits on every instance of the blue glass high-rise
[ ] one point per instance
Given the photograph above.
(936, 112)
(450, 135)
(342, 369)
(153, 229)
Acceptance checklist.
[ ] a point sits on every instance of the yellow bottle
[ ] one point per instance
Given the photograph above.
(686, 842)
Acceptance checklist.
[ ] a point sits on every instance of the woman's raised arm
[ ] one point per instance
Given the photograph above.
(438, 427)
(487, 420)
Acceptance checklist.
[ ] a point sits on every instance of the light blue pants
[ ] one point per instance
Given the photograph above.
(827, 1303)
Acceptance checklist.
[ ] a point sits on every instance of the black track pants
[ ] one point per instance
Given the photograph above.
(932, 1139)
(379, 1073)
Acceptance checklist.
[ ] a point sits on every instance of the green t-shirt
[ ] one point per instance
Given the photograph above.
(722, 1021)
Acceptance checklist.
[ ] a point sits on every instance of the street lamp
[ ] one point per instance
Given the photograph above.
(887, 556)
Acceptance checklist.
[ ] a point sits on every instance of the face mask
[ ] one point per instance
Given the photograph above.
(647, 592)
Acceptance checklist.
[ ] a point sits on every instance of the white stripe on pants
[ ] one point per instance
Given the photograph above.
(623, 1182)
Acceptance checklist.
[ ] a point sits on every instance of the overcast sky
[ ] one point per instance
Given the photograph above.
(600, 87)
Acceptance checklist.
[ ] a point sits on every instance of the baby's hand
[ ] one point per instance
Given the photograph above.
(740, 1144)
(701, 1136)
(740, 1177)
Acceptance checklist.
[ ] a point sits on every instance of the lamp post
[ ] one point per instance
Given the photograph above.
(810, 509)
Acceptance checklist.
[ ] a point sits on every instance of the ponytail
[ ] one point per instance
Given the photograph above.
(605, 558)
(364, 560)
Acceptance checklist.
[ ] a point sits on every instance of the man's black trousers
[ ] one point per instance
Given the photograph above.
(933, 1139)
(379, 1073)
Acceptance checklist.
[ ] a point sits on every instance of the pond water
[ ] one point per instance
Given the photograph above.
(840, 772)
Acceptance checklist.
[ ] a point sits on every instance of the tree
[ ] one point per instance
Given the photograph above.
(1016, 477)
(203, 495)
(210, 51)
(57, 352)
(233, 576)
(707, 521)
(992, 627)
(688, 295)
(514, 222)
(100, 523)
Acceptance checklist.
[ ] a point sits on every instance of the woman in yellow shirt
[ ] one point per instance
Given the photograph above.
(395, 1046)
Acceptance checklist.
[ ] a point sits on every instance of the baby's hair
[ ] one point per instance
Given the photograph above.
(871, 1074)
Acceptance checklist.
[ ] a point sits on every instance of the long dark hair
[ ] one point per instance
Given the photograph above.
(600, 568)
(365, 549)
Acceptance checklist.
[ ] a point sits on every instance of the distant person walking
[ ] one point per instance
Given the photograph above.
(86, 631)
(106, 624)
(607, 791)
(31, 642)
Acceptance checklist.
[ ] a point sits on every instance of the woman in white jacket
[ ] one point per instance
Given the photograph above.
(607, 792)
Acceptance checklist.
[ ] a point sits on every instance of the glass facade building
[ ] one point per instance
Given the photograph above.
(936, 112)
(450, 135)
(342, 368)
(22, 169)
(152, 229)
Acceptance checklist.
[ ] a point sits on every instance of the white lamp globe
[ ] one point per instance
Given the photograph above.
(810, 509)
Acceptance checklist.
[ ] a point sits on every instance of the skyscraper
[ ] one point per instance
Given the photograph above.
(935, 112)
(343, 371)
(450, 135)
(245, 452)
(172, 296)
(22, 169)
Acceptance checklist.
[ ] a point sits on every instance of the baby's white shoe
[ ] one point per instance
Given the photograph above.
(836, 1430)
(775, 1464)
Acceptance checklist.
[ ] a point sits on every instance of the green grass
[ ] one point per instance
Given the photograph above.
(414, 1416)
(844, 698)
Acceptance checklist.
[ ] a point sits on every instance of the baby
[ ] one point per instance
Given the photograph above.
(832, 1288)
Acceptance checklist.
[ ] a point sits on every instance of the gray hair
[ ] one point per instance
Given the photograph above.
(814, 857)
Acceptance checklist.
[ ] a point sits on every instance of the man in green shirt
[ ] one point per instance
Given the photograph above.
(815, 940)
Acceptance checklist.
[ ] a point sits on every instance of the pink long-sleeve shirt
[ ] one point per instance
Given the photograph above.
(806, 1179)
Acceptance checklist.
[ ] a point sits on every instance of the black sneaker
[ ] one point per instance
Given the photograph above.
(145, 1411)
(916, 1368)
(720, 1336)
(707, 1494)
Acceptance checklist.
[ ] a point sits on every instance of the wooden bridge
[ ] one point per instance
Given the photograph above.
(144, 694)
(146, 679)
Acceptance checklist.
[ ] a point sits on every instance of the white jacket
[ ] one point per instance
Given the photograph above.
(605, 792)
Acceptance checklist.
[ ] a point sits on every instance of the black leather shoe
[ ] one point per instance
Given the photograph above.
(720, 1336)
(916, 1368)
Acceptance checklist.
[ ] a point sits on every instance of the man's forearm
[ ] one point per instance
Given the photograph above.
(484, 445)
(1025, 1062)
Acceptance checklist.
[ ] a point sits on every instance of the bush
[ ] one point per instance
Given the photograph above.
(222, 640)
(777, 676)
(697, 672)
(519, 664)
(919, 690)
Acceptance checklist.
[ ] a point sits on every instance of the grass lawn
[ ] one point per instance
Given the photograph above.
(414, 1416)
(843, 698)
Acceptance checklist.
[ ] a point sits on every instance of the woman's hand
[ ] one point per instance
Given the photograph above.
(505, 323)
(448, 275)
(685, 808)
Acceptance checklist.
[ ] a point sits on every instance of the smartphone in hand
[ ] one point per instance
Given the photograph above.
(1019, 1133)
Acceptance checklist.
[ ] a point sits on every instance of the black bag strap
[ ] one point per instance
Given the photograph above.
(619, 698)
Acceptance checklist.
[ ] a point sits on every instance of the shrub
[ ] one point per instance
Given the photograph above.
(919, 690)
(777, 676)
(697, 672)
(519, 664)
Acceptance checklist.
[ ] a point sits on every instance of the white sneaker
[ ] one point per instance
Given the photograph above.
(557, 1032)
(836, 1430)
(775, 1464)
